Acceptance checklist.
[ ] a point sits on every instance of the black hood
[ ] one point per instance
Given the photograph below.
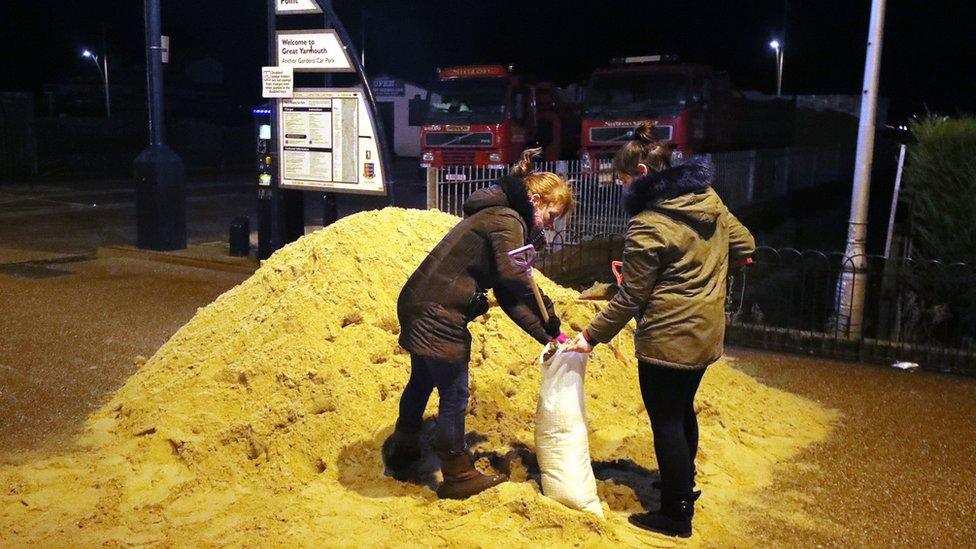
(508, 191)
(696, 174)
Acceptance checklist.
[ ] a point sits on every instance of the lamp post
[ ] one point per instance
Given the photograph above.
(103, 71)
(778, 48)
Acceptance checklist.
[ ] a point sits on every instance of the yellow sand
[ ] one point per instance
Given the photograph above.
(260, 423)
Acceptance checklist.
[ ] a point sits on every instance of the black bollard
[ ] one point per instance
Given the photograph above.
(240, 236)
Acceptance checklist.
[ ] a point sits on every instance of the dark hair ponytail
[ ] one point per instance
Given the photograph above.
(644, 148)
(526, 164)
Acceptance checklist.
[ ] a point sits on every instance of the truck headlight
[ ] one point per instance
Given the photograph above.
(427, 157)
(495, 157)
(677, 156)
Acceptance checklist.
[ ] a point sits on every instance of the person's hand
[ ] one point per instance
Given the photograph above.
(578, 345)
(552, 327)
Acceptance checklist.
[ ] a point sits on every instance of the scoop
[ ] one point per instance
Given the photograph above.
(522, 259)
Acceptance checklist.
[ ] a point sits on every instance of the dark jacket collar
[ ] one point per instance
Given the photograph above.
(508, 191)
(694, 175)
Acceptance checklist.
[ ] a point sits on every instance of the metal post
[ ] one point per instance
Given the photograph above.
(374, 113)
(154, 73)
(160, 202)
(779, 71)
(108, 103)
(432, 189)
(273, 195)
(894, 200)
(852, 282)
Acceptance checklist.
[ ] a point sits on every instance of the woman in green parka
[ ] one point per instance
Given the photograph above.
(681, 240)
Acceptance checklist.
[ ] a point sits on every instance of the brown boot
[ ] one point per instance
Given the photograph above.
(461, 479)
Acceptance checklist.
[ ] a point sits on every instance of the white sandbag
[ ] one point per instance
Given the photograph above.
(561, 442)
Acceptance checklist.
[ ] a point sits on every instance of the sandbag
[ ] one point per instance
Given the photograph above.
(561, 441)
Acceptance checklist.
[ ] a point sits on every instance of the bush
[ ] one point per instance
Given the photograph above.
(942, 173)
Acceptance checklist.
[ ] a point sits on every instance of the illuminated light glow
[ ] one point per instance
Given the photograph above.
(774, 44)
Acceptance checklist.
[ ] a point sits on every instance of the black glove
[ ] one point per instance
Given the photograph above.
(552, 327)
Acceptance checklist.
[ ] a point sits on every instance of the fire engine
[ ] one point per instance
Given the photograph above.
(686, 103)
(485, 115)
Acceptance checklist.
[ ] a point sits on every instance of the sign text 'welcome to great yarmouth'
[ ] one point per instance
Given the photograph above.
(313, 51)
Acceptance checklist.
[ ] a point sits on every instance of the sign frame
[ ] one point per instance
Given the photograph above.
(279, 11)
(296, 68)
(333, 187)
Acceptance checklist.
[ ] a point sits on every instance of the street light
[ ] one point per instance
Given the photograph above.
(778, 48)
(103, 71)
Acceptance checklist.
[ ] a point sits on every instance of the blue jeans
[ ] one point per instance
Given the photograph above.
(451, 381)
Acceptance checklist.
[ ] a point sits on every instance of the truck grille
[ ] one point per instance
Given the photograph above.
(457, 157)
(623, 133)
(458, 139)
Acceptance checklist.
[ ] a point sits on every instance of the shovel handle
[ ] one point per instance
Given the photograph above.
(539, 302)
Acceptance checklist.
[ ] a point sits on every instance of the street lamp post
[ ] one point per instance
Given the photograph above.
(103, 71)
(160, 175)
(778, 48)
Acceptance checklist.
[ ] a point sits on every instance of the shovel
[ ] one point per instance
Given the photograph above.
(522, 259)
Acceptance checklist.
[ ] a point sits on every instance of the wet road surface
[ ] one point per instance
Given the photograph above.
(899, 469)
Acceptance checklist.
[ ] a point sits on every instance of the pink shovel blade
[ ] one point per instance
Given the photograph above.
(522, 258)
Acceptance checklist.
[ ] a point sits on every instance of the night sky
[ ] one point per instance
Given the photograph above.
(929, 60)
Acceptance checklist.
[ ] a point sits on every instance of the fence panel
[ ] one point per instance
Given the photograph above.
(742, 178)
(915, 311)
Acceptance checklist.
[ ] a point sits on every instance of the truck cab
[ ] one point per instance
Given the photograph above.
(684, 102)
(485, 115)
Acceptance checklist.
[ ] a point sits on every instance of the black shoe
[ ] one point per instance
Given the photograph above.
(673, 519)
(401, 454)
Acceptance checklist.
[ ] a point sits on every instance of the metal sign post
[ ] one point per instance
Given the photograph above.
(325, 142)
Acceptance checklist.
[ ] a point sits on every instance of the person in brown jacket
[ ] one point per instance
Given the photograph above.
(447, 291)
(680, 241)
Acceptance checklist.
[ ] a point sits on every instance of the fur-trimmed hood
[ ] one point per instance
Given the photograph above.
(679, 192)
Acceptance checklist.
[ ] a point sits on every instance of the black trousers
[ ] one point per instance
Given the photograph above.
(669, 397)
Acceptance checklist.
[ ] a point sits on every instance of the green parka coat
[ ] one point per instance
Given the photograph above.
(680, 241)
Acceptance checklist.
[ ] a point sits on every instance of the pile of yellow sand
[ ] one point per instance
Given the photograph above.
(260, 422)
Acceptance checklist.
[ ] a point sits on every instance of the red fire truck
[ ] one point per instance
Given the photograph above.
(485, 115)
(686, 103)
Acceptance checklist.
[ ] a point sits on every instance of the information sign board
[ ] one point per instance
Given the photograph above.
(327, 142)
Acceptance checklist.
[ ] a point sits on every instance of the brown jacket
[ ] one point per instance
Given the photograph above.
(679, 243)
(447, 289)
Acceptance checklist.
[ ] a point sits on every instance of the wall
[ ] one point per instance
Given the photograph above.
(406, 138)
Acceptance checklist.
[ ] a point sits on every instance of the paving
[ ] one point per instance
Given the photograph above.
(80, 310)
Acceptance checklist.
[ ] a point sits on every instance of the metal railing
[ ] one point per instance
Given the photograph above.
(598, 209)
(742, 178)
(915, 311)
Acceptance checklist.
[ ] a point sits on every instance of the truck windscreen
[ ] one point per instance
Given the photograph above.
(642, 94)
(478, 101)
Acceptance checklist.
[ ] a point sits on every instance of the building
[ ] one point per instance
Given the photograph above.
(393, 97)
